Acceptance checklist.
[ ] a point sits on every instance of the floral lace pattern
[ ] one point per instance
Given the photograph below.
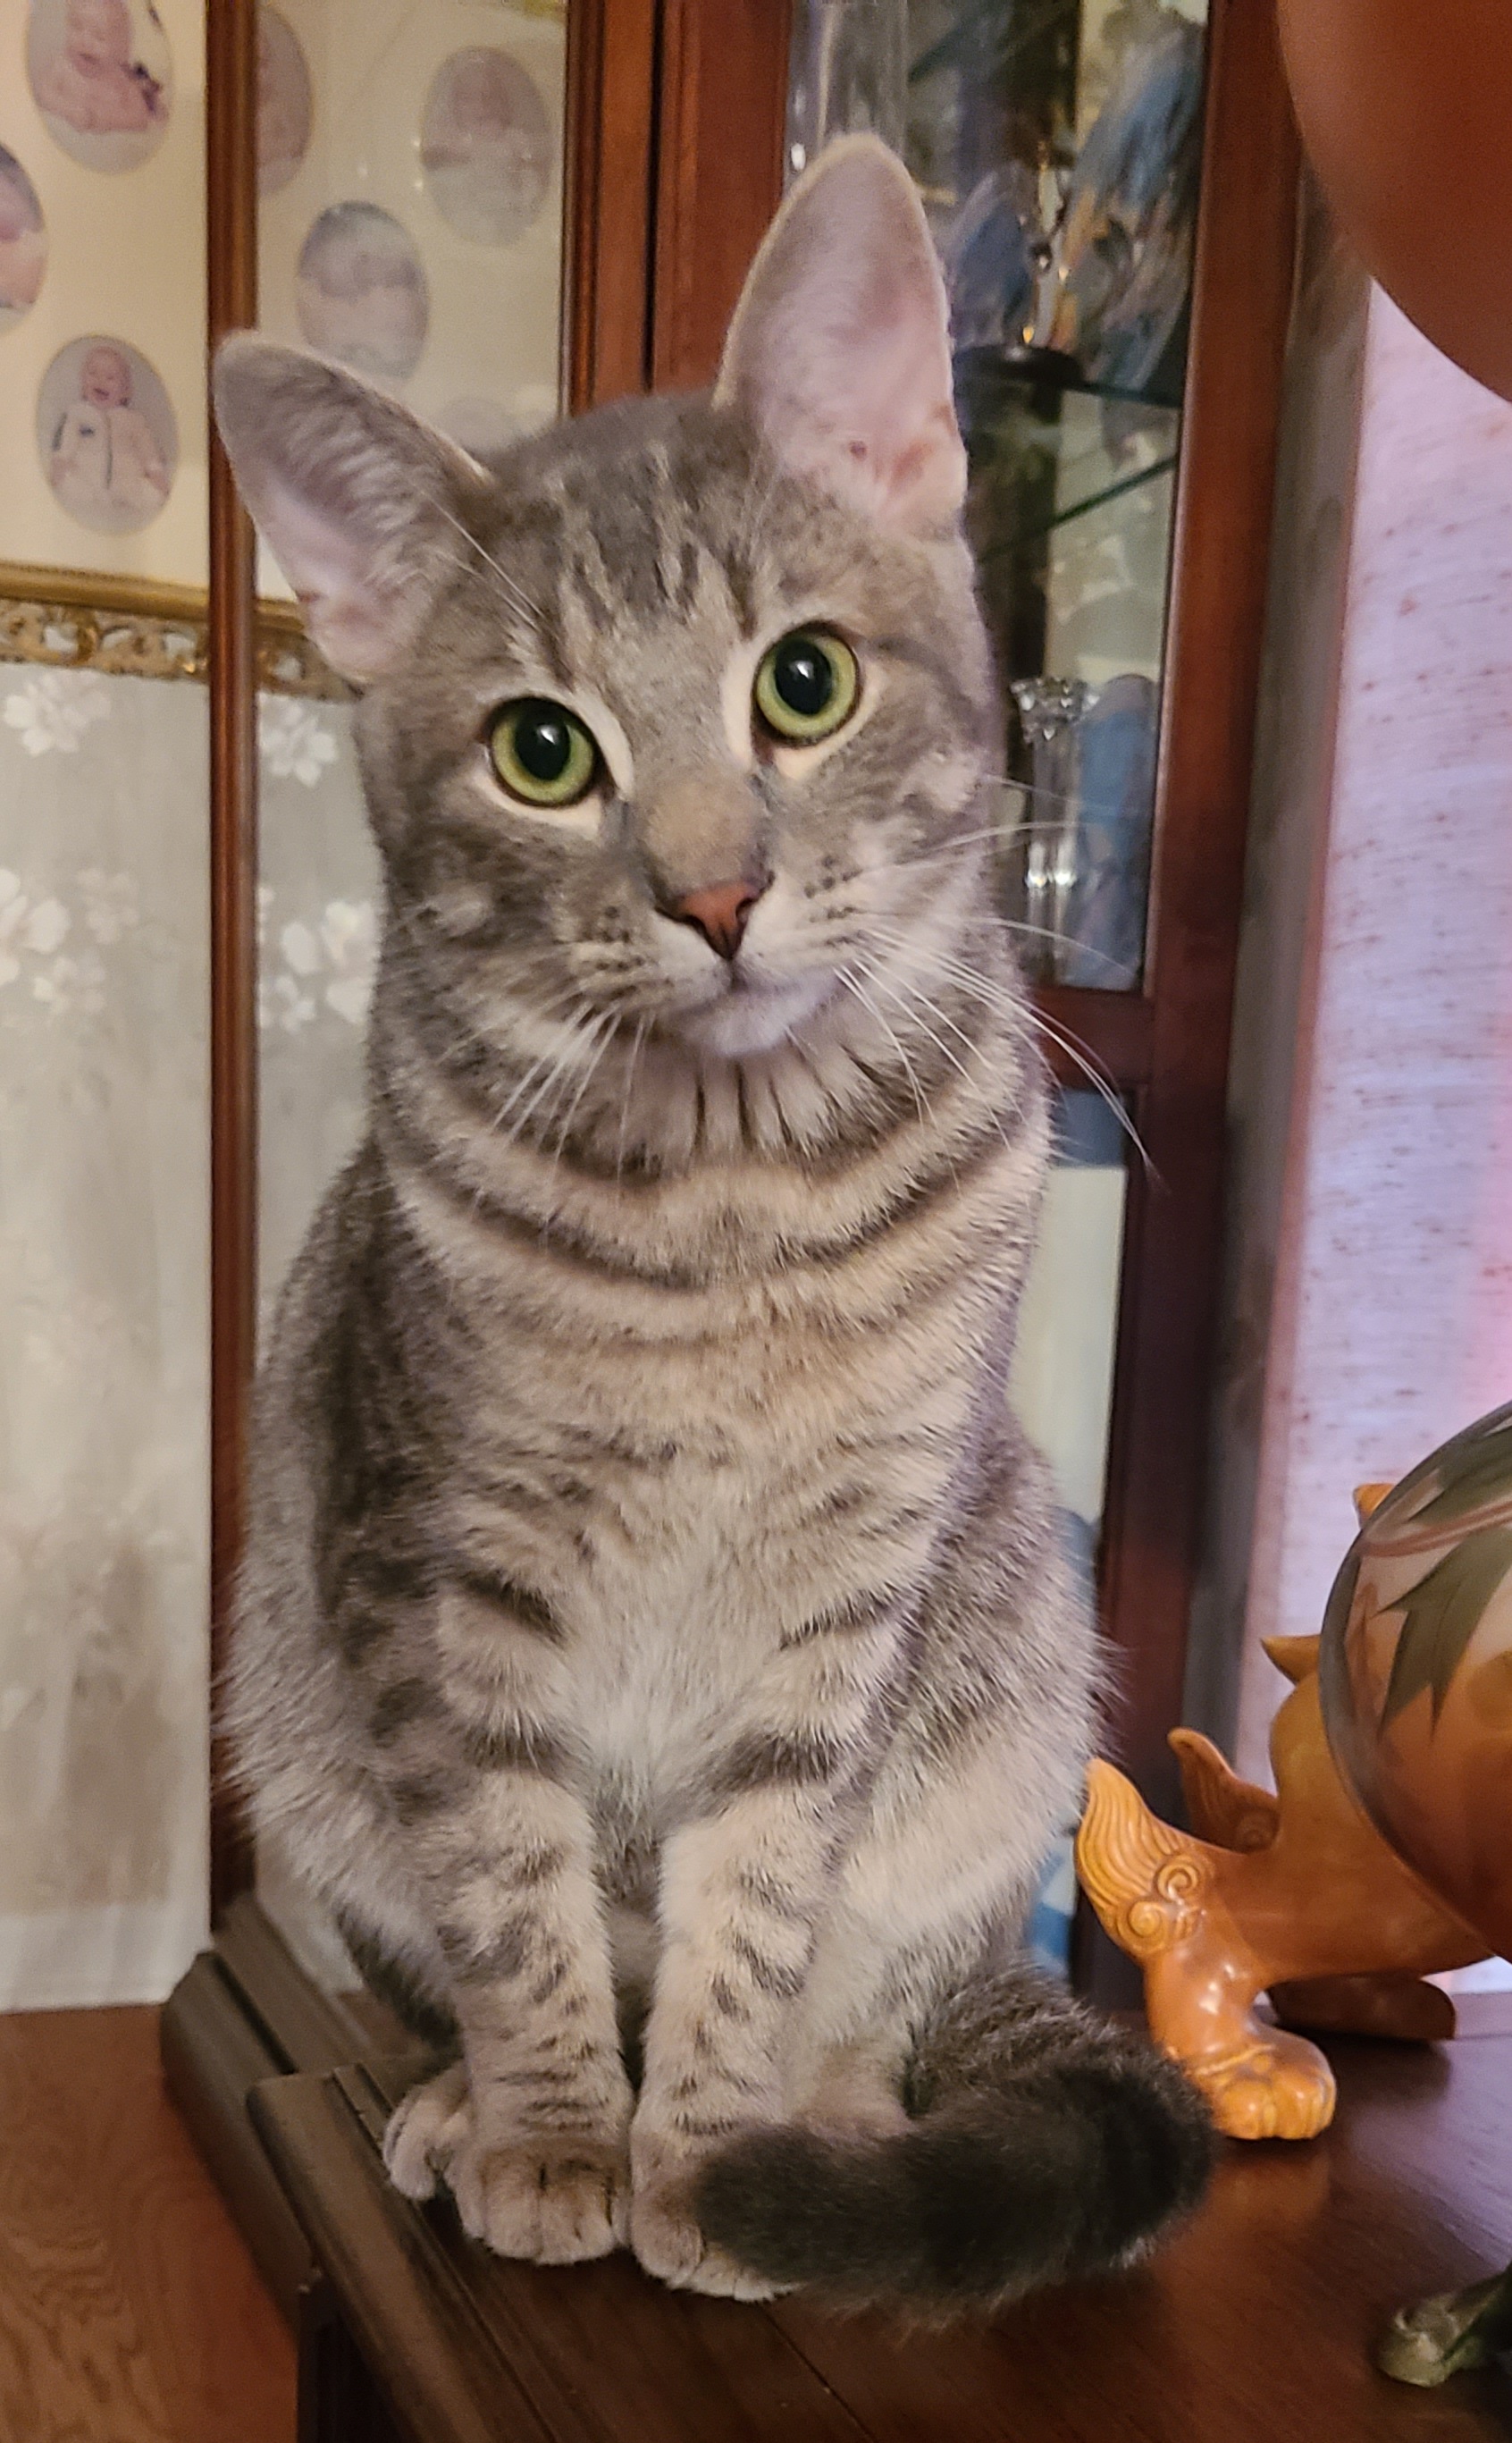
(34, 925)
(328, 962)
(293, 739)
(51, 709)
(104, 1249)
(103, 1324)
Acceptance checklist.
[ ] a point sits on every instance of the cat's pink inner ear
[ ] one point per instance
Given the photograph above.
(356, 499)
(839, 346)
(361, 621)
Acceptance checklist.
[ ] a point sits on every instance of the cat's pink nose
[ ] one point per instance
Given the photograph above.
(720, 913)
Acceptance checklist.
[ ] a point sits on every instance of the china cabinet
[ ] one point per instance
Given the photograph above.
(498, 204)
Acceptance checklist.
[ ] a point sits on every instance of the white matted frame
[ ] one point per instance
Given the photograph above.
(125, 264)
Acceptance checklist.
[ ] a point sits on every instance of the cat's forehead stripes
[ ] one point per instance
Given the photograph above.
(656, 531)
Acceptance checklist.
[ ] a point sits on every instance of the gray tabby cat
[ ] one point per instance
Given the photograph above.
(654, 1643)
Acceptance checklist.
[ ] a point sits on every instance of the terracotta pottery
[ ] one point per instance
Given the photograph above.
(1416, 1673)
(1297, 1894)
(1404, 112)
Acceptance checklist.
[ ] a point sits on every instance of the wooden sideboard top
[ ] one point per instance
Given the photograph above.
(1255, 2326)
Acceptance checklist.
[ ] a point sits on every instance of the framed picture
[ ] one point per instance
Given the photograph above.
(410, 186)
(102, 304)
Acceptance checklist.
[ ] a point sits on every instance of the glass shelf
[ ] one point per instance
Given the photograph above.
(1056, 144)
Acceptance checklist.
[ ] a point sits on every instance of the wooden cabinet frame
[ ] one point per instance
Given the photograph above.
(674, 158)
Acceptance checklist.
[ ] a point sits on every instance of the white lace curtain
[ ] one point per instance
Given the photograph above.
(104, 1265)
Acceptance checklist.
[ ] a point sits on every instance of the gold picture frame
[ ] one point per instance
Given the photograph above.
(69, 618)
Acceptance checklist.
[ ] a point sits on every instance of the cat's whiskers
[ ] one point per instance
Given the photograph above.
(627, 1092)
(1018, 1012)
(558, 1010)
(553, 1062)
(604, 1034)
(514, 590)
(845, 977)
(911, 1003)
(1017, 924)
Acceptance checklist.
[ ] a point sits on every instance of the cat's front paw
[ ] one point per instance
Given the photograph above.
(552, 2200)
(664, 2231)
(423, 2131)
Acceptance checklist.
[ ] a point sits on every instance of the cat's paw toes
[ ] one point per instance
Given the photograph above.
(669, 2243)
(665, 2230)
(554, 2202)
(424, 2130)
(1280, 2086)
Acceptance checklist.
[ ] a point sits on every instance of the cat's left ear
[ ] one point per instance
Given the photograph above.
(840, 347)
(359, 502)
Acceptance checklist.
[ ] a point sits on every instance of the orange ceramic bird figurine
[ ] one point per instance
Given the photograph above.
(1297, 1893)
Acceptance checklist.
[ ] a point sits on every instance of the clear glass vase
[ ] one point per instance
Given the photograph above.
(849, 72)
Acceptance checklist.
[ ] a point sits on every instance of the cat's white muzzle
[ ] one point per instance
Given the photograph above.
(755, 1017)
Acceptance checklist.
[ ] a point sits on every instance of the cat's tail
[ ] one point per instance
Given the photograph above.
(1046, 2143)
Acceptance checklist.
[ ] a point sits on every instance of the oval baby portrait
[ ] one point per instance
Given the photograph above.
(284, 102)
(102, 78)
(107, 434)
(485, 145)
(362, 295)
(22, 241)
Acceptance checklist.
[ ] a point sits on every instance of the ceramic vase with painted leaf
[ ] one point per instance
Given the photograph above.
(1416, 1673)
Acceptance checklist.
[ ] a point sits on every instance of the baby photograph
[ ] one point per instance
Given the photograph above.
(22, 241)
(101, 77)
(485, 145)
(361, 293)
(284, 102)
(107, 436)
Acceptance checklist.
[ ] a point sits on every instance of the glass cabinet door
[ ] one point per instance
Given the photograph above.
(410, 224)
(1057, 146)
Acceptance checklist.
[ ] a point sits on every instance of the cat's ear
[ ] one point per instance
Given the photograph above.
(356, 496)
(839, 346)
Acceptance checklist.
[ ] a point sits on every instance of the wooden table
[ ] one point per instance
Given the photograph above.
(1256, 2325)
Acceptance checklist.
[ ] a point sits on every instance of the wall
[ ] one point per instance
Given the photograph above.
(1391, 1320)
(1288, 827)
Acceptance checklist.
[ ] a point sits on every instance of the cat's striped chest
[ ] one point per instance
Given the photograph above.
(684, 1511)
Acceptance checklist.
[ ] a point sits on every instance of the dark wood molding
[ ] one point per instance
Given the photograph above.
(722, 98)
(244, 2012)
(214, 2052)
(403, 2290)
(1256, 2324)
(1172, 1264)
(230, 89)
(309, 2027)
(612, 67)
(1113, 1030)
(339, 2395)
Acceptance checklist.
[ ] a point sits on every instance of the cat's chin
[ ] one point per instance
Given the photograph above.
(754, 1018)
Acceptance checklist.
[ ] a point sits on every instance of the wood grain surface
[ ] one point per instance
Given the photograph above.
(129, 2308)
(1256, 2325)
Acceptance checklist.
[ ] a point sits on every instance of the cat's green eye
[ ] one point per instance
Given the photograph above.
(542, 752)
(807, 686)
